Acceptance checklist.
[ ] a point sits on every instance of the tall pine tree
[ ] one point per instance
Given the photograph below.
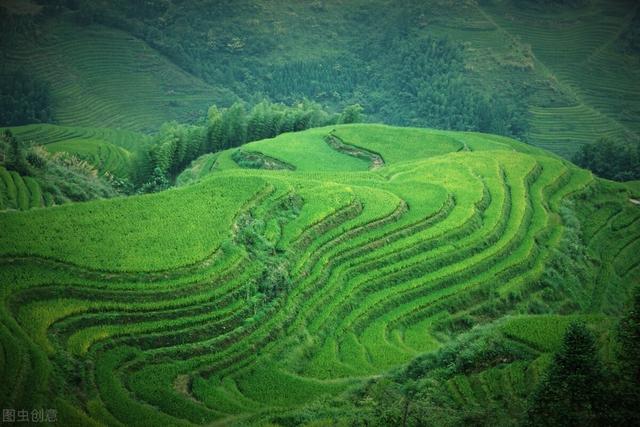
(571, 392)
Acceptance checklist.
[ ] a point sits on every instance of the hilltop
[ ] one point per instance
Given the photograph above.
(285, 274)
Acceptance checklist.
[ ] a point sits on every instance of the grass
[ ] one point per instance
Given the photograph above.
(106, 157)
(109, 150)
(307, 152)
(200, 219)
(19, 192)
(163, 299)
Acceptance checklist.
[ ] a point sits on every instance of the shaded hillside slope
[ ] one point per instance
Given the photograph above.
(557, 76)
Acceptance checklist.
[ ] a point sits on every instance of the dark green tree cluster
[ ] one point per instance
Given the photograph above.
(612, 159)
(174, 147)
(580, 390)
(629, 40)
(626, 395)
(234, 126)
(15, 26)
(427, 85)
(572, 392)
(13, 154)
(332, 80)
(23, 99)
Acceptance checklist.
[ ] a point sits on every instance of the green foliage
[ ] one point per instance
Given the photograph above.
(431, 89)
(334, 292)
(629, 39)
(418, 394)
(108, 158)
(611, 159)
(546, 3)
(571, 394)
(473, 352)
(251, 160)
(568, 273)
(23, 99)
(52, 178)
(351, 114)
(14, 153)
(629, 338)
(625, 394)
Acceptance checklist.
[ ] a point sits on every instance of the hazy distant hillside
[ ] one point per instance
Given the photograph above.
(557, 76)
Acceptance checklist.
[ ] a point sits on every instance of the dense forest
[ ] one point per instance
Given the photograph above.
(23, 99)
(612, 159)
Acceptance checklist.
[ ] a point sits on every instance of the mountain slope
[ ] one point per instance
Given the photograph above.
(558, 75)
(582, 52)
(104, 77)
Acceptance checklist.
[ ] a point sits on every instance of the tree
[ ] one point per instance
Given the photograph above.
(352, 114)
(258, 123)
(214, 129)
(628, 336)
(627, 392)
(234, 126)
(23, 99)
(611, 159)
(571, 392)
(158, 182)
(17, 157)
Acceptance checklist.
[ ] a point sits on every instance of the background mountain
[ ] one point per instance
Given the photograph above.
(557, 74)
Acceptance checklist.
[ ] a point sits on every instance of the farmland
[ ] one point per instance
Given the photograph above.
(248, 296)
(320, 213)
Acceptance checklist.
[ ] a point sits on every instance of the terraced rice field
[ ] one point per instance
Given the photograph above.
(152, 310)
(106, 78)
(19, 192)
(109, 150)
(580, 52)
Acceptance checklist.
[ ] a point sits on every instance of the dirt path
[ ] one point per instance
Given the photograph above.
(375, 159)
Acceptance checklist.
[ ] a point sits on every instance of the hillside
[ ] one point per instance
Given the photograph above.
(557, 75)
(583, 53)
(268, 293)
(102, 77)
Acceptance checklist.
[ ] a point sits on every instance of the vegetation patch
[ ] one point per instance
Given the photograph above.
(255, 160)
(337, 144)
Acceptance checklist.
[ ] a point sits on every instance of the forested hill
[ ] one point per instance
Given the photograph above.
(557, 73)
